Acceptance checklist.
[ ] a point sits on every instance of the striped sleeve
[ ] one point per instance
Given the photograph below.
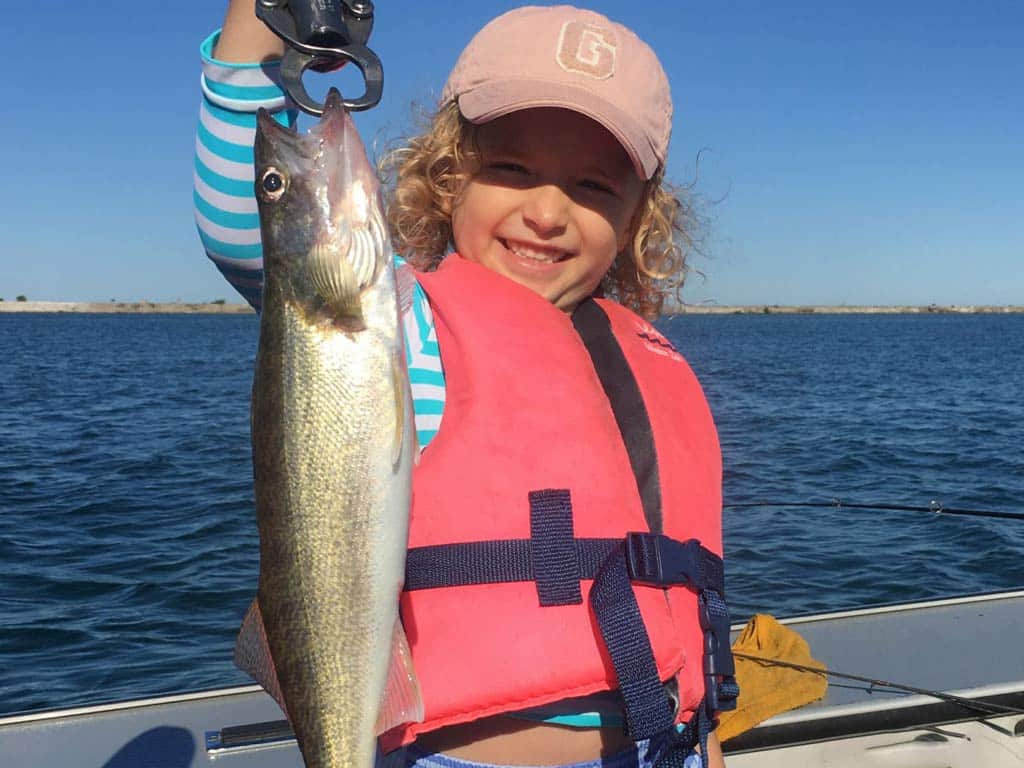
(424, 363)
(228, 221)
(225, 204)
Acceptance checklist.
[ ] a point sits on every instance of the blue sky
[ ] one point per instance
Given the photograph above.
(841, 153)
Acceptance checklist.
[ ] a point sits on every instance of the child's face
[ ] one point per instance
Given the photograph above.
(550, 204)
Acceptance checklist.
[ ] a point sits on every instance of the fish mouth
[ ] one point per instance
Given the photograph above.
(334, 117)
(541, 254)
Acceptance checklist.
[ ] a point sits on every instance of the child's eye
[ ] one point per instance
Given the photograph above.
(597, 186)
(507, 167)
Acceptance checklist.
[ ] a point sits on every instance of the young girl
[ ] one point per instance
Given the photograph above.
(550, 637)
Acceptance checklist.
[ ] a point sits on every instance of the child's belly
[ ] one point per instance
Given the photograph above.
(510, 741)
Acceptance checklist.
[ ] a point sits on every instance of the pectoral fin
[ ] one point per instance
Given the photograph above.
(337, 283)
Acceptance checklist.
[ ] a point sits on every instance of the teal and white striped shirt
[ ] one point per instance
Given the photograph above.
(228, 222)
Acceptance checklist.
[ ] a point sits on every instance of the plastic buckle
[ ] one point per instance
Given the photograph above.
(718, 661)
(658, 561)
(710, 681)
(716, 639)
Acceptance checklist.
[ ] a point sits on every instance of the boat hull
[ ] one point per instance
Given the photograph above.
(969, 647)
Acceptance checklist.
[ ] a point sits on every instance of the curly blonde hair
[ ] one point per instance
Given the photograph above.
(425, 178)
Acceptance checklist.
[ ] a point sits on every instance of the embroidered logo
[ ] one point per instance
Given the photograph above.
(586, 49)
(656, 343)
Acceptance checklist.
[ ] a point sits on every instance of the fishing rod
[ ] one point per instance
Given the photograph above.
(934, 507)
(984, 709)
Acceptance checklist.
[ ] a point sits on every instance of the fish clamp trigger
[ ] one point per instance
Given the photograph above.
(322, 35)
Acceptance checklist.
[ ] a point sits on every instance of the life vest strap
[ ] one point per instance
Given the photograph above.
(651, 559)
(552, 539)
(614, 565)
(627, 403)
(648, 708)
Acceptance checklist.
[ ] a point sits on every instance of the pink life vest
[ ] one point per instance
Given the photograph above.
(526, 411)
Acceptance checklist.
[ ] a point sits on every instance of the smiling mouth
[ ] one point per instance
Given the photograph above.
(536, 253)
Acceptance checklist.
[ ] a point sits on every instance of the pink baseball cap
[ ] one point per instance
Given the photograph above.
(573, 58)
(567, 57)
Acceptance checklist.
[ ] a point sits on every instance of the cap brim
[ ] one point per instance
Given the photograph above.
(495, 99)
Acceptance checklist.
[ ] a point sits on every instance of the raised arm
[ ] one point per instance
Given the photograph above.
(240, 75)
(241, 66)
(245, 38)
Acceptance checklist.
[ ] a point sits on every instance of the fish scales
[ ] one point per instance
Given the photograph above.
(332, 440)
(319, 496)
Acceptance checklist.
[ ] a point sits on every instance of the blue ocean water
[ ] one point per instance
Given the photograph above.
(128, 549)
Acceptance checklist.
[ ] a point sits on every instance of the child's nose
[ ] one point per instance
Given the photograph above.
(546, 209)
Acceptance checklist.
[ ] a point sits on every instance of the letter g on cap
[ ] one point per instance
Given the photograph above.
(586, 49)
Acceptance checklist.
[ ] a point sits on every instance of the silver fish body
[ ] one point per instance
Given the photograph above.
(333, 442)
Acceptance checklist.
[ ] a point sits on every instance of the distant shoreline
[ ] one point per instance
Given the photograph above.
(126, 307)
(217, 308)
(776, 309)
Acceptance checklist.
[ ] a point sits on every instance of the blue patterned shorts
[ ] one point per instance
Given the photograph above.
(634, 758)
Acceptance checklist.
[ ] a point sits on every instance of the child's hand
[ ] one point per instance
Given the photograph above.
(245, 38)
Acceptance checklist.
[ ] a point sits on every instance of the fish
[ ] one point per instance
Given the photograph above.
(333, 446)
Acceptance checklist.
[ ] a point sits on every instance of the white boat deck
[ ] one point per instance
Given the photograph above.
(956, 645)
(968, 647)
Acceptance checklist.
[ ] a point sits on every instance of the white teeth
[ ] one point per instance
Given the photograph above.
(528, 252)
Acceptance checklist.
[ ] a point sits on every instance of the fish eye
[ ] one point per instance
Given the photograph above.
(272, 184)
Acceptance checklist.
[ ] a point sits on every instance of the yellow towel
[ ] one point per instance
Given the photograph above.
(766, 689)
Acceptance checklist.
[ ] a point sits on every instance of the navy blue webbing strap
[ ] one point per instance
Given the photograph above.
(649, 711)
(650, 559)
(615, 565)
(553, 550)
(491, 562)
(623, 392)
(720, 688)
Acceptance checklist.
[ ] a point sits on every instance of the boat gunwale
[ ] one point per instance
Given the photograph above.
(124, 704)
(215, 693)
(943, 602)
(917, 715)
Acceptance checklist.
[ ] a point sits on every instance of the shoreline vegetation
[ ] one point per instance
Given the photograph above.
(223, 308)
